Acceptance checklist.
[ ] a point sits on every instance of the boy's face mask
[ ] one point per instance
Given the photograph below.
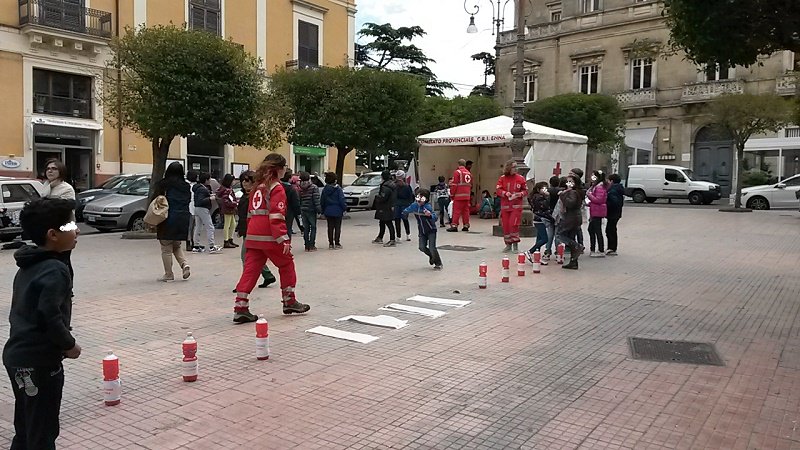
(570, 184)
(543, 190)
(420, 199)
(594, 178)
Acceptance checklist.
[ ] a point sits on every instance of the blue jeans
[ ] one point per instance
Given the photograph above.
(551, 235)
(541, 236)
(427, 245)
(310, 225)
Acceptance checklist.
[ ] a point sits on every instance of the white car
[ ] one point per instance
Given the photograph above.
(16, 192)
(781, 195)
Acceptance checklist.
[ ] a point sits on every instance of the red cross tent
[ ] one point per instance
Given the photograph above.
(487, 143)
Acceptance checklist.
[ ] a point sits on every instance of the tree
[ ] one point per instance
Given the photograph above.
(388, 51)
(350, 108)
(598, 117)
(489, 64)
(744, 115)
(177, 82)
(732, 32)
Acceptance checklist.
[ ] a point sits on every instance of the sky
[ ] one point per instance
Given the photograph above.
(447, 41)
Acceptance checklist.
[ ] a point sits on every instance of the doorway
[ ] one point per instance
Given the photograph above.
(713, 157)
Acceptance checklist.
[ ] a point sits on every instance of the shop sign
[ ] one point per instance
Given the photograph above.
(11, 163)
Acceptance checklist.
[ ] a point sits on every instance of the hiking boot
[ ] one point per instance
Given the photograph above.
(244, 316)
(391, 243)
(234, 244)
(572, 264)
(228, 244)
(377, 241)
(295, 307)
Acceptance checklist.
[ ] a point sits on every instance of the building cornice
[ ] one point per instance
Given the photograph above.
(311, 6)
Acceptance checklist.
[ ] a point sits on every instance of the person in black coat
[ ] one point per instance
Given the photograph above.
(385, 202)
(614, 200)
(175, 229)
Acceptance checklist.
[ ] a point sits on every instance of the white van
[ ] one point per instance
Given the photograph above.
(649, 182)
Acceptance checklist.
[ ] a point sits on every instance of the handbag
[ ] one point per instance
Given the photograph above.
(157, 211)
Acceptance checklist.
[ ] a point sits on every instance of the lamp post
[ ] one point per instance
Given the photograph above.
(498, 19)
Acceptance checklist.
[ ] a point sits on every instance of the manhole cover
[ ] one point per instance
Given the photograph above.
(674, 351)
(362, 225)
(474, 232)
(459, 248)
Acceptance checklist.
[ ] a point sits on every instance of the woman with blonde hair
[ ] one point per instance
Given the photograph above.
(267, 239)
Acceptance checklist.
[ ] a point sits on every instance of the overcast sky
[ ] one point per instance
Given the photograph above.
(447, 40)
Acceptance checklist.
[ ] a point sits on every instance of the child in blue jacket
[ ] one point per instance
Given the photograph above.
(426, 223)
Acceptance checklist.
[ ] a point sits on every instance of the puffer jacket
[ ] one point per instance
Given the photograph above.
(597, 200)
(309, 197)
(332, 201)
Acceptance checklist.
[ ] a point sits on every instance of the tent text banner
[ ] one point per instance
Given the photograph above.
(464, 140)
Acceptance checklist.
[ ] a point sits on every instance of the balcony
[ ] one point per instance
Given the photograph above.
(65, 20)
(637, 98)
(706, 90)
(786, 84)
(62, 106)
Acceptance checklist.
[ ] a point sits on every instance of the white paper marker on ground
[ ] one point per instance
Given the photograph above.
(379, 321)
(439, 301)
(346, 335)
(432, 313)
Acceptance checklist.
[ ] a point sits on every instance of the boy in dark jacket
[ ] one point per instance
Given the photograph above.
(614, 199)
(384, 209)
(41, 309)
(246, 179)
(426, 222)
(309, 208)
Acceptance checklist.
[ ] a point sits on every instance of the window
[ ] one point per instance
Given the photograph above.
(205, 15)
(530, 88)
(674, 176)
(794, 181)
(590, 6)
(13, 193)
(62, 94)
(555, 16)
(307, 45)
(590, 78)
(717, 72)
(792, 132)
(795, 66)
(641, 73)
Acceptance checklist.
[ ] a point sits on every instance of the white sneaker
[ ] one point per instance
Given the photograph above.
(593, 255)
(215, 249)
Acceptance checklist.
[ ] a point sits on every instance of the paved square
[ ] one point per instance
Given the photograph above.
(539, 363)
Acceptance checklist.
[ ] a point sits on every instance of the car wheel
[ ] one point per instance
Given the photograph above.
(695, 198)
(137, 223)
(638, 196)
(707, 202)
(758, 203)
(651, 199)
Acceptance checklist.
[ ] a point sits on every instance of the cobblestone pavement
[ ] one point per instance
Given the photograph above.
(539, 363)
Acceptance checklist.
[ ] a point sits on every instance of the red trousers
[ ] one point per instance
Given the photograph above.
(460, 211)
(254, 260)
(511, 220)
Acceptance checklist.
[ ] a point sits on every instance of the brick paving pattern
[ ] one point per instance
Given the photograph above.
(539, 363)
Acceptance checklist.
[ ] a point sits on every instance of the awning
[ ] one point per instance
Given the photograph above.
(310, 151)
(495, 131)
(71, 123)
(641, 138)
(753, 145)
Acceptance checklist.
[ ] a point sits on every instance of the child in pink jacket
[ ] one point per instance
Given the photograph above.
(598, 210)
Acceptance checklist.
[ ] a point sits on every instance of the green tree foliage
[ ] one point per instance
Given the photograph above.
(732, 32)
(442, 113)
(176, 82)
(744, 115)
(489, 65)
(350, 108)
(598, 117)
(391, 49)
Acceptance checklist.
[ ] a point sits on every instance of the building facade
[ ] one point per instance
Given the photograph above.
(615, 47)
(52, 60)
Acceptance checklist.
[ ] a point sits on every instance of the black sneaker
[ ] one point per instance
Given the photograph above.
(437, 267)
(267, 282)
(452, 229)
(245, 317)
(295, 308)
(465, 229)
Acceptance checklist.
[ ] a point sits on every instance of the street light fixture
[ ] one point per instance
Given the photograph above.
(472, 29)
(498, 15)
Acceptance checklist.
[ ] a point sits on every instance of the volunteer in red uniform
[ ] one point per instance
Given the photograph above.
(267, 239)
(512, 190)
(460, 191)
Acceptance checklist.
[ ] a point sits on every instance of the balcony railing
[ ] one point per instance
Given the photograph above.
(637, 98)
(786, 84)
(62, 106)
(706, 90)
(65, 16)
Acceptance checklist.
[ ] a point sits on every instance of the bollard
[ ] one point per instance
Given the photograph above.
(506, 269)
(112, 389)
(521, 265)
(189, 366)
(537, 261)
(262, 339)
(482, 278)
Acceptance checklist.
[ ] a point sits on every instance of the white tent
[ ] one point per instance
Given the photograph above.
(486, 143)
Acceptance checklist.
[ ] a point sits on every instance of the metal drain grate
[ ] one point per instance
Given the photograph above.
(459, 248)
(674, 351)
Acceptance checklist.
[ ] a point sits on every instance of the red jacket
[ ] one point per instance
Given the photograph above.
(266, 217)
(461, 188)
(514, 184)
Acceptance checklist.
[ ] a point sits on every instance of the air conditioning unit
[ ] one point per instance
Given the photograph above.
(58, 43)
(78, 46)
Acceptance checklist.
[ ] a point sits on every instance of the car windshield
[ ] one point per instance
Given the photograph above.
(111, 182)
(140, 186)
(368, 180)
(689, 174)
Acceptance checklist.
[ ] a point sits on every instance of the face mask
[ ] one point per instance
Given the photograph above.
(68, 227)
(543, 190)
(420, 199)
(594, 178)
(570, 184)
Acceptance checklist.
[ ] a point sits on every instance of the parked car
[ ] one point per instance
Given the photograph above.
(125, 209)
(15, 193)
(649, 182)
(361, 194)
(110, 186)
(783, 194)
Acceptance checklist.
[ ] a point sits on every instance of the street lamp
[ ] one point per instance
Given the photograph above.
(498, 15)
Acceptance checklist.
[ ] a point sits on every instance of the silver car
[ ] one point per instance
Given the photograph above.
(125, 210)
(361, 194)
(15, 193)
(780, 195)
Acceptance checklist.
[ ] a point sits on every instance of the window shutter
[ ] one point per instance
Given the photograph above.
(212, 22)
